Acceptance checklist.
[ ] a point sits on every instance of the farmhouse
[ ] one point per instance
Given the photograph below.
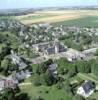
(86, 89)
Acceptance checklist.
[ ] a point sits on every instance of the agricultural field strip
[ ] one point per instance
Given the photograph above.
(51, 19)
(55, 16)
(38, 17)
(35, 15)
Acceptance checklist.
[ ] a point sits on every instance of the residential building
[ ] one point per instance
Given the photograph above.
(8, 83)
(18, 61)
(53, 70)
(86, 89)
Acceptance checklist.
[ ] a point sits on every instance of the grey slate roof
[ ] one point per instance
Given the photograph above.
(53, 67)
(88, 86)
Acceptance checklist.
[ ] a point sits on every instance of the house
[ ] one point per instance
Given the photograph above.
(53, 70)
(18, 61)
(8, 83)
(86, 89)
(11, 83)
(23, 74)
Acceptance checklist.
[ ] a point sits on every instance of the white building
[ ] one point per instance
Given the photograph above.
(86, 89)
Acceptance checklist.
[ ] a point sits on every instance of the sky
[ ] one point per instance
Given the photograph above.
(10, 4)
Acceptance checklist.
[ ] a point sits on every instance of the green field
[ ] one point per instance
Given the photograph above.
(81, 22)
(37, 17)
(53, 92)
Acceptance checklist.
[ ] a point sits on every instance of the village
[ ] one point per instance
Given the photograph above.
(45, 45)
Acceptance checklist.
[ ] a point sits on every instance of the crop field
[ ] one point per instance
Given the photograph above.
(56, 16)
(81, 22)
(36, 16)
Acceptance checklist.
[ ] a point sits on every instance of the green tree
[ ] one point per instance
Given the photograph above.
(94, 67)
(5, 65)
(96, 54)
(67, 87)
(49, 79)
(8, 94)
(37, 80)
(23, 96)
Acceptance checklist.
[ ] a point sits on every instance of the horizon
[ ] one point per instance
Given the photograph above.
(26, 4)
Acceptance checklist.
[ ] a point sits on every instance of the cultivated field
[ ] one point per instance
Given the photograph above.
(90, 21)
(55, 16)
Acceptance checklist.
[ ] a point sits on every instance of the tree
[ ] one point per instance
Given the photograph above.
(22, 96)
(49, 79)
(5, 65)
(83, 66)
(42, 68)
(37, 80)
(67, 87)
(94, 67)
(4, 50)
(96, 54)
(72, 70)
(8, 94)
(39, 69)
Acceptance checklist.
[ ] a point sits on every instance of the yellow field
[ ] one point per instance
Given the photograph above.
(55, 16)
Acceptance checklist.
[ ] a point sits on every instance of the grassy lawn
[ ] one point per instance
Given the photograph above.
(91, 77)
(95, 95)
(53, 92)
(88, 77)
(82, 22)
